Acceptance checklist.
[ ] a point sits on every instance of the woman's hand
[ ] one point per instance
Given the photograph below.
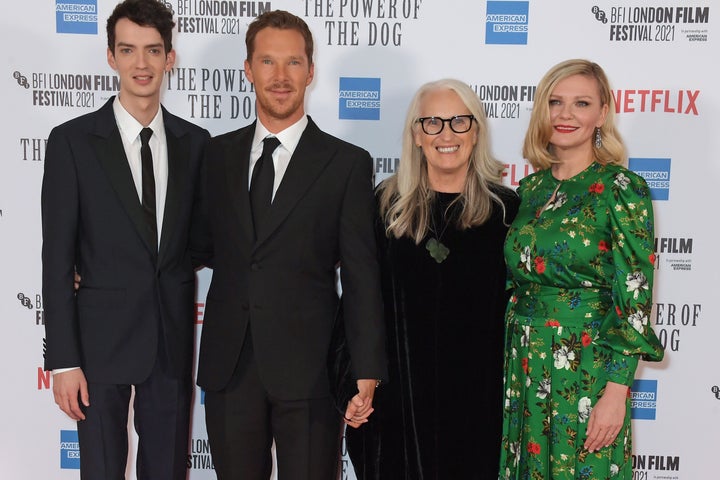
(607, 417)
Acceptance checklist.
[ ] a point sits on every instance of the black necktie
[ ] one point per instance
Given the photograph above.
(261, 185)
(148, 181)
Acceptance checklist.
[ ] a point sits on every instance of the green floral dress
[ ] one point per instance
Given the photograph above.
(581, 269)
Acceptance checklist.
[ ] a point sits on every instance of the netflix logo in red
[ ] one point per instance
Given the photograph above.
(514, 172)
(43, 379)
(684, 102)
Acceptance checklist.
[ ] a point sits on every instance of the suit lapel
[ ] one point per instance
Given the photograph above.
(178, 150)
(110, 152)
(307, 163)
(237, 163)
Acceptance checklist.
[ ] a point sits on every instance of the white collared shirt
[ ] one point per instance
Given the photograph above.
(130, 133)
(289, 138)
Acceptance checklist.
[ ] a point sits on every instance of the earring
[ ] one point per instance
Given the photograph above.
(598, 138)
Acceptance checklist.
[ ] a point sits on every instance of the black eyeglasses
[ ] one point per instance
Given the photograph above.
(435, 125)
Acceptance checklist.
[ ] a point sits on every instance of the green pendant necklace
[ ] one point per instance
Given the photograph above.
(438, 250)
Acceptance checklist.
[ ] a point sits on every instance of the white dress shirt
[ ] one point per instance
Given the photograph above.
(130, 134)
(289, 138)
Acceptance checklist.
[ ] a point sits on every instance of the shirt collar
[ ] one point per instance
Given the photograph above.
(130, 127)
(289, 138)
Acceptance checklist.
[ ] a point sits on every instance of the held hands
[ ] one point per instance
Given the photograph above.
(360, 406)
(67, 387)
(607, 417)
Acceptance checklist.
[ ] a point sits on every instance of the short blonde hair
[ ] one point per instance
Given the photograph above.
(537, 148)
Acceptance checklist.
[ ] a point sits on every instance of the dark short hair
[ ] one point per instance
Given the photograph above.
(284, 21)
(146, 13)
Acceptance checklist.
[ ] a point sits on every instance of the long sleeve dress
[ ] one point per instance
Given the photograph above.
(580, 255)
(441, 407)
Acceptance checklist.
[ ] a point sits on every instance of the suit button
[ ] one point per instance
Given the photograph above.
(245, 306)
(255, 267)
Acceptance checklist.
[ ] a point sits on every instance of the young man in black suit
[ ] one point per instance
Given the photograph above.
(277, 241)
(119, 202)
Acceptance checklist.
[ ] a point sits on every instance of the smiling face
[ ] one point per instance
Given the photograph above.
(447, 153)
(140, 60)
(281, 71)
(575, 112)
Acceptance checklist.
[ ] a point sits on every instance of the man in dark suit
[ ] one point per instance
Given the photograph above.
(118, 206)
(277, 241)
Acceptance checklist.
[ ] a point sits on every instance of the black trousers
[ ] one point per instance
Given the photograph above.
(243, 420)
(162, 422)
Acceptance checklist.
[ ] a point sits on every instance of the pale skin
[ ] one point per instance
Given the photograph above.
(141, 62)
(575, 111)
(606, 418)
(281, 72)
(447, 154)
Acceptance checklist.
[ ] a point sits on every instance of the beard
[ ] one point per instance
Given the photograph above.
(280, 109)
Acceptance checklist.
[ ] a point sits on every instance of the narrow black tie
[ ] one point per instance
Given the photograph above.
(261, 185)
(148, 182)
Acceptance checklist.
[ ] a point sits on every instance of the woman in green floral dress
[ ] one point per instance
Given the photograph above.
(580, 258)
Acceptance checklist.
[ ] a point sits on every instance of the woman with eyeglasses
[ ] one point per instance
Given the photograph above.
(441, 226)
(580, 255)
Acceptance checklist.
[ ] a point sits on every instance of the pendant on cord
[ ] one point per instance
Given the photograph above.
(437, 249)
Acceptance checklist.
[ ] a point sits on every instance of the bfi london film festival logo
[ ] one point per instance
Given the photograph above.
(76, 16)
(716, 391)
(653, 23)
(505, 101)
(81, 90)
(675, 253)
(506, 23)
(656, 172)
(359, 98)
(200, 457)
(643, 465)
(69, 450)
(216, 17)
(643, 399)
(31, 303)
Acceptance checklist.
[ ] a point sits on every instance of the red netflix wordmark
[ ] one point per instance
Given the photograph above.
(680, 101)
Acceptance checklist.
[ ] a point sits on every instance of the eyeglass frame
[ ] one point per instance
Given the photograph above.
(421, 121)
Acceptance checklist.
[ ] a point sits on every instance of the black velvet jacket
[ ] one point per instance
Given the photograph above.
(441, 407)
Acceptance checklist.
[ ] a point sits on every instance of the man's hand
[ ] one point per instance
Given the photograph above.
(67, 387)
(76, 282)
(360, 406)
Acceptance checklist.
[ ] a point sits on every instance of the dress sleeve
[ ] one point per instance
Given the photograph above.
(627, 332)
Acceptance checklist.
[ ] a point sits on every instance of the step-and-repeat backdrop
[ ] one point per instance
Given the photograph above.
(371, 55)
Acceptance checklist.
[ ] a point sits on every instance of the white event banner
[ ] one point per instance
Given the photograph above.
(370, 58)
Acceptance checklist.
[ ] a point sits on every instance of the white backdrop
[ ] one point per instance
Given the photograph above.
(661, 57)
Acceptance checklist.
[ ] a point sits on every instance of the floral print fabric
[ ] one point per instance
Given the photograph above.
(580, 256)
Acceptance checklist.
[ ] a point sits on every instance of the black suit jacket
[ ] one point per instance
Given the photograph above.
(282, 286)
(92, 221)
